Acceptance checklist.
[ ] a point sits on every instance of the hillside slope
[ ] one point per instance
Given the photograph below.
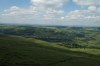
(20, 51)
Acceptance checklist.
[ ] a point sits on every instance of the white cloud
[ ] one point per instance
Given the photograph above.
(49, 11)
(51, 14)
(49, 3)
(81, 16)
(32, 14)
(14, 10)
(45, 9)
(87, 2)
(92, 9)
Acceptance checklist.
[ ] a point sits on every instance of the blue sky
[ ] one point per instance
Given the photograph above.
(4, 4)
(51, 12)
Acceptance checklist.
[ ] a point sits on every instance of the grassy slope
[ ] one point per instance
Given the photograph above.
(19, 51)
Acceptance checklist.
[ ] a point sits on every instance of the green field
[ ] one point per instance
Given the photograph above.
(49, 46)
(20, 51)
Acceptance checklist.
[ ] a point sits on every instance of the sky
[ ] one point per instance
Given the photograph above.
(51, 12)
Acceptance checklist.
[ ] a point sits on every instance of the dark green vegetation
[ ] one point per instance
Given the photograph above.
(75, 37)
(49, 46)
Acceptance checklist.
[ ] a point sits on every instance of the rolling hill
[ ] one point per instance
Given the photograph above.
(21, 51)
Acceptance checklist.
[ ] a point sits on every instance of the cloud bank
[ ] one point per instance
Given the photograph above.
(51, 12)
